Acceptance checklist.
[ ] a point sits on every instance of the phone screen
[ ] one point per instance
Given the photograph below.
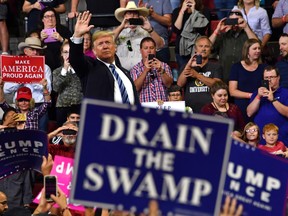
(50, 183)
(265, 83)
(151, 56)
(231, 21)
(135, 21)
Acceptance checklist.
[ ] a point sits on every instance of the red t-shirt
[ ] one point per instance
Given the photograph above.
(273, 150)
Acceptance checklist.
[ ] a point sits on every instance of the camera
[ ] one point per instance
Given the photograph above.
(265, 84)
(151, 56)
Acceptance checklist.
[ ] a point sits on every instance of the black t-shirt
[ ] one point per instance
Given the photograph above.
(34, 14)
(103, 12)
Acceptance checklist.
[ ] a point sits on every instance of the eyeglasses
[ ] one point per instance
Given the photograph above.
(251, 130)
(175, 95)
(270, 77)
(49, 16)
(4, 202)
(128, 43)
(236, 13)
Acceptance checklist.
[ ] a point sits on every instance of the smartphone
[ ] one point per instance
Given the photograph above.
(136, 21)
(151, 56)
(20, 117)
(265, 83)
(231, 21)
(50, 185)
(49, 32)
(198, 59)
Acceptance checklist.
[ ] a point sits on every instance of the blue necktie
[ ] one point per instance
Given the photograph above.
(121, 85)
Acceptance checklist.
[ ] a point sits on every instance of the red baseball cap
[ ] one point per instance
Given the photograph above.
(24, 93)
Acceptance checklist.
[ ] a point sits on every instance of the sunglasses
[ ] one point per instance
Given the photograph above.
(22, 100)
(128, 43)
(236, 13)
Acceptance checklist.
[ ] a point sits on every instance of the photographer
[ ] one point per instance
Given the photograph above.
(129, 34)
(151, 76)
(184, 19)
(228, 40)
(198, 76)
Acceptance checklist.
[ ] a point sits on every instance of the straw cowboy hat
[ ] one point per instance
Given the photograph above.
(131, 6)
(31, 42)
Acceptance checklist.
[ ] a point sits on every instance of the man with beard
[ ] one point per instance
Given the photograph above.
(282, 65)
(69, 137)
(198, 76)
(229, 39)
(3, 203)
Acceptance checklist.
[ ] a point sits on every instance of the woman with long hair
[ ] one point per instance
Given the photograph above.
(246, 75)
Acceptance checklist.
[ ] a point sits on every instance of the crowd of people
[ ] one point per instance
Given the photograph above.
(222, 73)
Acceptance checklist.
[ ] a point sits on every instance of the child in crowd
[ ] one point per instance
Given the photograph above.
(273, 146)
(250, 134)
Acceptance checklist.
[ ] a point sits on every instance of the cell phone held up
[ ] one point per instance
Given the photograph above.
(151, 57)
(265, 84)
(231, 21)
(136, 21)
(198, 59)
(49, 32)
(50, 185)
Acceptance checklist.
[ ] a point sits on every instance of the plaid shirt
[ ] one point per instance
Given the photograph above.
(32, 116)
(153, 87)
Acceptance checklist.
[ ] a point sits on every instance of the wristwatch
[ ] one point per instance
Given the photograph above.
(274, 100)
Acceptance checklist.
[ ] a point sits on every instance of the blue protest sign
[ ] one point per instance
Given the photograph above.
(126, 156)
(257, 180)
(21, 150)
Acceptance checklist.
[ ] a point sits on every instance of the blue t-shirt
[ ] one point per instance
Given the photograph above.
(267, 113)
(248, 81)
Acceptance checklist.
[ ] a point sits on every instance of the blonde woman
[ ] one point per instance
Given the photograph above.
(256, 17)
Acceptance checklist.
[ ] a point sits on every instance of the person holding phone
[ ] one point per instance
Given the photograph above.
(197, 79)
(52, 35)
(69, 133)
(189, 11)
(133, 28)
(270, 105)
(228, 41)
(151, 76)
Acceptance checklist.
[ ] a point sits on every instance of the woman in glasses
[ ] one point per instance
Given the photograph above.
(67, 84)
(257, 18)
(53, 35)
(220, 107)
(250, 134)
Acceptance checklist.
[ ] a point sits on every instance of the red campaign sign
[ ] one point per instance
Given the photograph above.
(22, 69)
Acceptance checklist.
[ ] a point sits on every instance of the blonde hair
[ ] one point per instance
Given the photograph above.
(31, 103)
(99, 34)
(247, 126)
(241, 4)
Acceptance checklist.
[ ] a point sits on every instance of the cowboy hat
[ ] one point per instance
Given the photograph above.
(31, 42)
(131, 6)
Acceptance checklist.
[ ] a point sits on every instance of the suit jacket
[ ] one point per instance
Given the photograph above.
(96, 79)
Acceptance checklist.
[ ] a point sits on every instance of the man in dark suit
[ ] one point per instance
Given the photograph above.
(98, 79)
